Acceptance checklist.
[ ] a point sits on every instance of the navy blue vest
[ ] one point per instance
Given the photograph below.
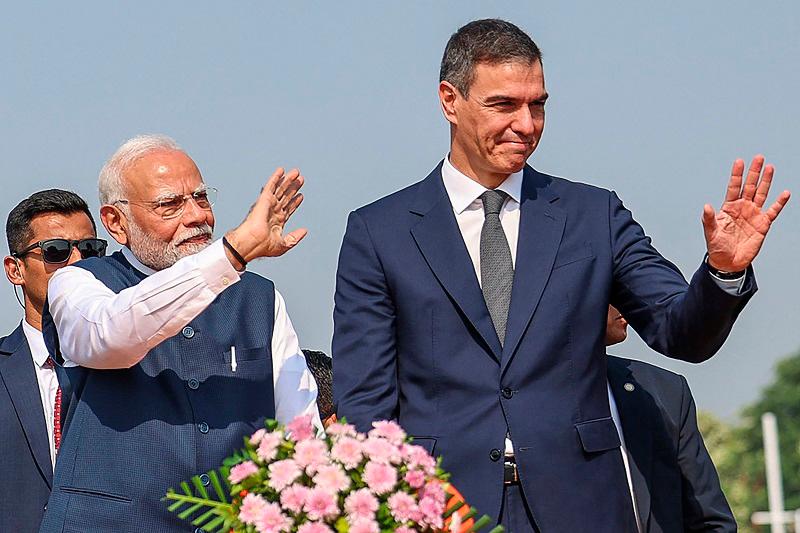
(131, 434)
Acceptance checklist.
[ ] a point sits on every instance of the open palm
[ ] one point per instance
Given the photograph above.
(734, 234)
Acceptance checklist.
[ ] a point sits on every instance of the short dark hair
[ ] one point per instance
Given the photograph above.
(484, 41)
(18, 224)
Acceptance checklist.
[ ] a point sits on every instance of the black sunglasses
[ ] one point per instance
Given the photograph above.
(57, 251)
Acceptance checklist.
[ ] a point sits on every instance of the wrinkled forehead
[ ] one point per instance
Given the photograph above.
(160, 173)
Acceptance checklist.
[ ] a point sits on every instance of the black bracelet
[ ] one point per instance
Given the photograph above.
(721, 274)
(234, 252)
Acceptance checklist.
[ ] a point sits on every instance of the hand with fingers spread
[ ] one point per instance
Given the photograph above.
(262, 232)
(735, 233)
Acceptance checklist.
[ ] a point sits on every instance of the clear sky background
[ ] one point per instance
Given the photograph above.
(652, 100)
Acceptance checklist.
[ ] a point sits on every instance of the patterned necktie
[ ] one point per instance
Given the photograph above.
(497, 267)
(56, 410)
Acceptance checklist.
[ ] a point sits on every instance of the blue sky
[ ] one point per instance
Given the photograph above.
(653, 101)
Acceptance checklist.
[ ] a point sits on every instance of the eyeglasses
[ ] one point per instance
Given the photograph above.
(172, 205)
(57, 251)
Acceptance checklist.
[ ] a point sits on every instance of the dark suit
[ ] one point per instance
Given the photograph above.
(26, 472)
(413, 340)
(674, 480)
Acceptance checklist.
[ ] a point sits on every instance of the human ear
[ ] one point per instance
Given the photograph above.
(115, 222)
(448, 95)
(13, 270)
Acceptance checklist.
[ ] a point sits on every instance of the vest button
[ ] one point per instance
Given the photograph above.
(205, 480)
(202, 427)
(193, 384)
(199, 530)
(507, 393)
(495, 455)
(188, 332)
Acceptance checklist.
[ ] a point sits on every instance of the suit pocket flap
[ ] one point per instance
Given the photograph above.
(429, 443)
(598, 435)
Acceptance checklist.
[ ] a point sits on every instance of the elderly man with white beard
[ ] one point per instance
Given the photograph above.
(168, 351)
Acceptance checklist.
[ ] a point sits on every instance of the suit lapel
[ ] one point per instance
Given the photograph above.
(439, 240)
(541, 227)
(19, 376)
(637, 431)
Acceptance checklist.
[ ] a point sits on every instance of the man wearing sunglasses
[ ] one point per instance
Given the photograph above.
(45, 232)
(173, 352)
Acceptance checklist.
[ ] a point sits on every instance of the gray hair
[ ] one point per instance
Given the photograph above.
(490, 41)
(110, 185)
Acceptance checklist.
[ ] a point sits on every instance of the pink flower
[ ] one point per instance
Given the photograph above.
(272, 520)
(268, 446)
(331, 478)
(283, 473)
(314, 527)
(431, 512)
(341, 430)
(415, 478)
(320, 504)
(293, 498)
(417, 456)
(402, 506)
(389, 430)
(251, 508)
(256, 437)
(404, 529)
(347, 451)
(381, 450)
(300, 428)
(361, 504)
(435, 490)
(311, 454)
(242, 471)
(363, 525)
(380, 478)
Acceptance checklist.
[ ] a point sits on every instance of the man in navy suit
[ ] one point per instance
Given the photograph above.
(471, 306)
(675, 484)
(45, 232)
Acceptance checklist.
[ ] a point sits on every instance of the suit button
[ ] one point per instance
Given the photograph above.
(507, 393)
(199, 530)
(193, 384)
(188, 332)
(495, 455)
(205, 480)
(202, 427)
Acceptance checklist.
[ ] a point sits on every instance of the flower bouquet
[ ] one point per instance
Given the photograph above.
(288, 480)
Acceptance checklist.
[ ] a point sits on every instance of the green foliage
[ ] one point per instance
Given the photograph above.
(738, 450)
(212, 512)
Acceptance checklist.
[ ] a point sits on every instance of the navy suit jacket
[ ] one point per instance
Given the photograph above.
(413, 340)
(676, 485)
(25, 468)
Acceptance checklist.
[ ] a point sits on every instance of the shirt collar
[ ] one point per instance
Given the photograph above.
(135, 263)
(464, 190)
(36, 344)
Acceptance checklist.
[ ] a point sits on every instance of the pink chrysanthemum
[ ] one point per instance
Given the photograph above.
(320, 504)
(347, 451)
(402, 506)
(415, 478)
(362, 525)
(293, 498)
(381, 450)
(242, 471)
(272, 520)
(341, 430)
(311, 454)
(404, 529)
(300, 428)
(380, 478)
(418, 457)
(431, 511)
(314, 527)
(256, 437)
(389, 430)
(251, 508)
(283, 473)
(268, 446)
(331, 478)
(361, 504)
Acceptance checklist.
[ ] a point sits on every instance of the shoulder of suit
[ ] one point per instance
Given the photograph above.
(7, 344)
(643, 370)
(398, 200)
(566, 187)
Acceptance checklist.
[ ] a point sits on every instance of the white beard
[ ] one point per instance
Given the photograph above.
(159, 255)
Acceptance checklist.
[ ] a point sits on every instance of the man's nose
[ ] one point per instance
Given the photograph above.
(74, 255)
(193, 214)
(524, 123)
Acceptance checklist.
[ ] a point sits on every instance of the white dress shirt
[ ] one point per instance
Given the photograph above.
(47, 380)
(98, 328)
(624, 449)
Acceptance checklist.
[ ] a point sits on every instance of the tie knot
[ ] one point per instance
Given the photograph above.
(493, 201)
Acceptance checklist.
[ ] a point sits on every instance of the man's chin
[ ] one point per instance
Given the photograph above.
(186, 249)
